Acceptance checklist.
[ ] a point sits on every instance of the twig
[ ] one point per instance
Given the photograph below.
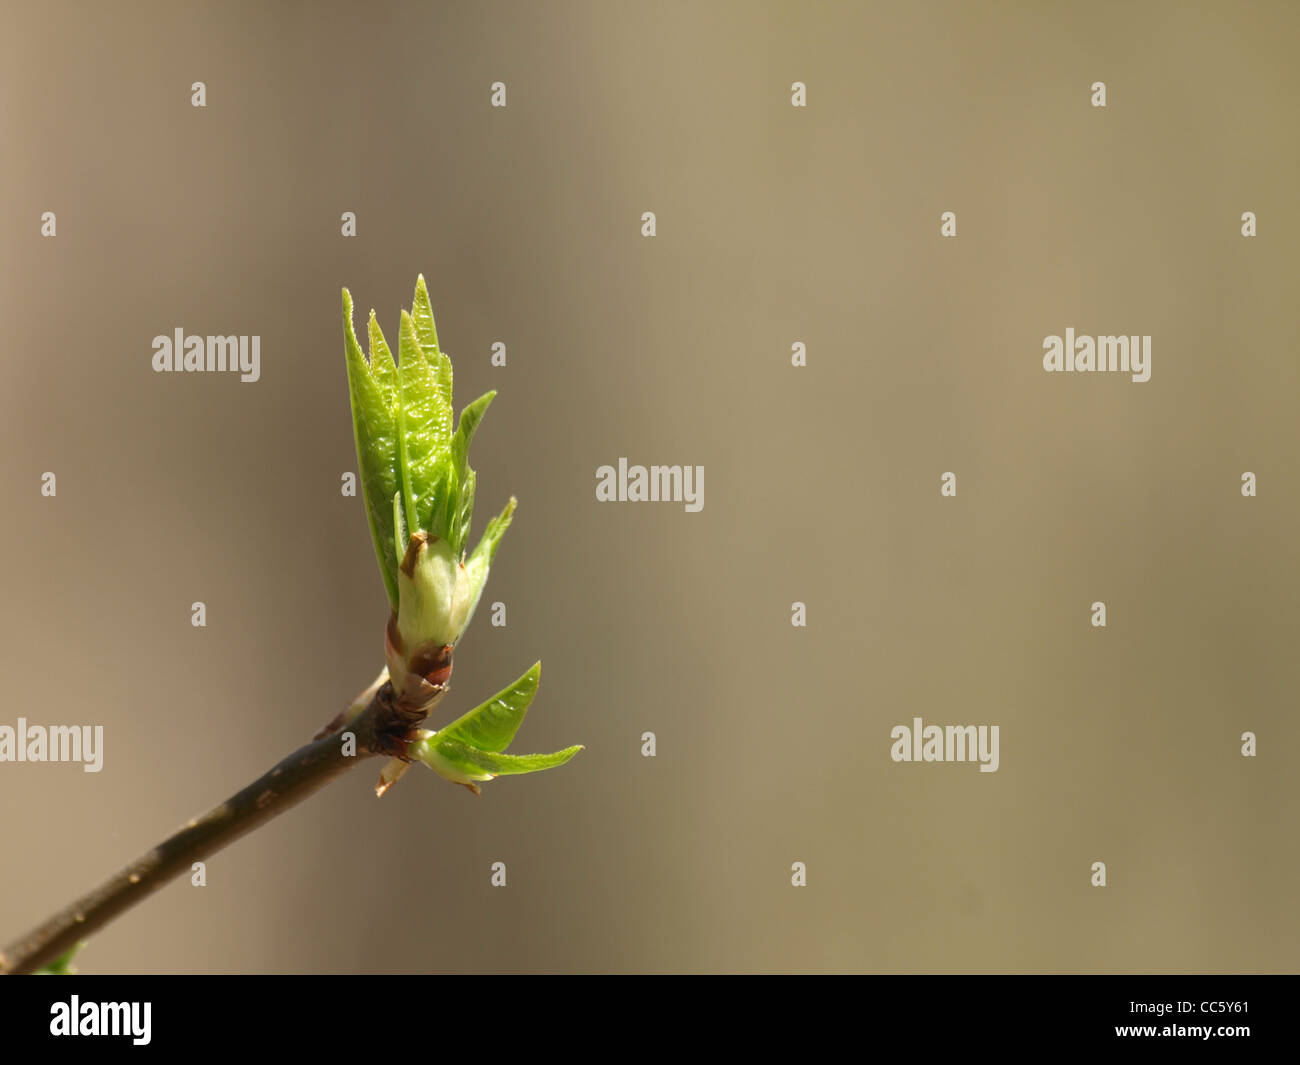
(379, 729)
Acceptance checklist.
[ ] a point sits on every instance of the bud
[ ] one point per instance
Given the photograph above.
(419, 492)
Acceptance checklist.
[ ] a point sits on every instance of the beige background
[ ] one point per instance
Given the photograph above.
(775, 225)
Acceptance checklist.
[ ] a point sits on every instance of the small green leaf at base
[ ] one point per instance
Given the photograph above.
(62, 965)
(461, 763)
(491, 726)
(470, 748)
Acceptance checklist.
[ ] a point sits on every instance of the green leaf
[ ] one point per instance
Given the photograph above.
(427, 334)
(375, 431)
(463, 514)
(496, 528)
(401, 538)
(491, 726)
(470, 748)
(446, 494)
(62, 965)
(502, 765)
(452, 514)
(424, 429)
(466, 512)
(382, 365)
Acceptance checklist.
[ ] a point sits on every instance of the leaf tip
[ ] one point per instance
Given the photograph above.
(351, 347)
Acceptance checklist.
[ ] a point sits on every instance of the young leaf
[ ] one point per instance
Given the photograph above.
(496, 528)
(375, 432)
(445, 504)
(62, 965)
(501, 765)
(452, 515)
(469, 419)
(382, 366)
(466, 511)
(427, 334)
(424, 429)
(401, 538)
(493, 724)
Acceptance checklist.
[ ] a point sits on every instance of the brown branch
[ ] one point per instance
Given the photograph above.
(379, 729)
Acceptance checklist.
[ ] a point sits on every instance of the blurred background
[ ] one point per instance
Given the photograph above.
(775, 225)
